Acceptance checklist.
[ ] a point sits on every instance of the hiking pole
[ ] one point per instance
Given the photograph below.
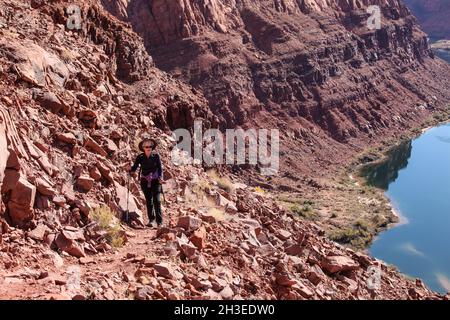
(162, 191)
(128, 197)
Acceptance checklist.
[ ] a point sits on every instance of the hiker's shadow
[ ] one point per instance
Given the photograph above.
(133, 220)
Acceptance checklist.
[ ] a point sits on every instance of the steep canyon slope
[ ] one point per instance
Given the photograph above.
(311, 68)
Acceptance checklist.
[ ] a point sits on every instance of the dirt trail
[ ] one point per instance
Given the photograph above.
(45, 275)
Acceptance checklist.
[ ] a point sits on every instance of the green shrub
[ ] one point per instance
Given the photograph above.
(288, 199)
(108, 222)
(361, 224)
(345, 235)
(380, 221)
(306, 211)
(358, 237)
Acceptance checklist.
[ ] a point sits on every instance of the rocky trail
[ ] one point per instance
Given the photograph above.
(52, 277)
(258, 251)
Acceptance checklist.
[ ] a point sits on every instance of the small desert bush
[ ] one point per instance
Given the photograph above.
(108, 222)
(197, 195)
(224, 183)
(259, 190)
(288, 199)
(201, 187)
(362, 224)
(305, 211)
(67, 55)
(346, 235)
(217, 213)
(358, 236)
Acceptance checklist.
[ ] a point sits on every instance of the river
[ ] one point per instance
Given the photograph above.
(416, 178)
(441, 53)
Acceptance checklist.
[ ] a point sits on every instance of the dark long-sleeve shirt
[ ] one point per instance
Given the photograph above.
(149, 165)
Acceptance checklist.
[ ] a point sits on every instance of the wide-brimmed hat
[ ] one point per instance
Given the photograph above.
(153, 141)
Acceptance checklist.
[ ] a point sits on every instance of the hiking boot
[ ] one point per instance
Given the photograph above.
(150, 224)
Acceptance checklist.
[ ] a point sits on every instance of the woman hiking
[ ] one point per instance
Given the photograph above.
(150, 176)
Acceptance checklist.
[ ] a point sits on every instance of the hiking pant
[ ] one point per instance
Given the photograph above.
(153, 198)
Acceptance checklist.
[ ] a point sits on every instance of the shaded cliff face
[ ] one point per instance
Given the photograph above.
(381, 174)
(433, 16)
(311, 68)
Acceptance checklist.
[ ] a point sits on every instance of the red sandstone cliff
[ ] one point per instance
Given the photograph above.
(312, 68)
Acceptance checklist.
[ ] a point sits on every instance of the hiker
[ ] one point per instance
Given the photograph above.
(150, 175)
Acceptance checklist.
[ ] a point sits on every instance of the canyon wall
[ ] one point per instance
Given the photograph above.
(433, 16)
(311, 68)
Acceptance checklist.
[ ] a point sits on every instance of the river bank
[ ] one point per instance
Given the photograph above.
(380, 154)
(442, 49)
(351, 211)
(441, 45)
(417, 183)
